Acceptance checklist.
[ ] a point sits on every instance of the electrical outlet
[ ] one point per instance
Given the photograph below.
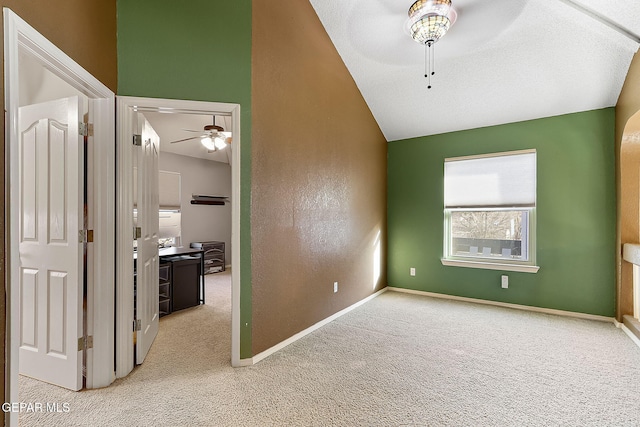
(505, 281)
(335, 287)
(412, 271)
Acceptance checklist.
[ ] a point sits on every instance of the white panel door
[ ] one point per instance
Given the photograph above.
(50, 217)
(147, 264)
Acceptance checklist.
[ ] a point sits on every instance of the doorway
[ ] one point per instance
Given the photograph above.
(24, 45)
(178, 233)
(127, 108)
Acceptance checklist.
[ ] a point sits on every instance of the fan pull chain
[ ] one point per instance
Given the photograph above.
(426, 61)
(432, 50)
(429, 62)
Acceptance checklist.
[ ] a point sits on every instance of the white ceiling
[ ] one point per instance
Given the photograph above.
(502, 61)
(173, 127)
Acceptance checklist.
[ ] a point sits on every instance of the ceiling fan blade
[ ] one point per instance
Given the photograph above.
(186, 139)
(191, 130)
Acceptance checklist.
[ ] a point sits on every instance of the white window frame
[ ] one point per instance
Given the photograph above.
(529, 243)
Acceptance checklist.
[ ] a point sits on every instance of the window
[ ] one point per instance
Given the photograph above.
(489, 211)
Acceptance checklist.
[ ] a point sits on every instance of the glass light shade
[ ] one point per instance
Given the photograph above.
(429, 7)
(219, 142)
(430, 28)
(208, 143)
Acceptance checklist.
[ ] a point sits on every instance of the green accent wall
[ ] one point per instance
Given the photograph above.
(576, 213)
(195, 50)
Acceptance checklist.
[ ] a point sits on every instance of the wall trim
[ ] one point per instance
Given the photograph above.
(245, 362)
(258, 357)
(631, 326)
(585, 316)
(630, 334)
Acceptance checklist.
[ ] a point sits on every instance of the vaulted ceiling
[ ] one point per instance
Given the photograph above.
(502, 61)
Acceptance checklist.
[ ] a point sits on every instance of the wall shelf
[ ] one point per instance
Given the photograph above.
(207, 202)
(198, 199)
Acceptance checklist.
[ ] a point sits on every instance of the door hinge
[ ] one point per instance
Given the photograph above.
(85, 129)
(137, 325)
(137, 140)
(85, 343)
(137, 233)
(85, 236)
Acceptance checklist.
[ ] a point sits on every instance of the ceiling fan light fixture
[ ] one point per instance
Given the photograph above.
(208, 143)
(423, 7)
(213, 138)
(429, 21)
(430, 28)
(220, 142)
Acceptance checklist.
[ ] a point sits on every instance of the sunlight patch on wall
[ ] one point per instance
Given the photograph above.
(377, 253)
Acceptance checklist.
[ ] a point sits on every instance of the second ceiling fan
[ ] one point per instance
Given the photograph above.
(212, 137)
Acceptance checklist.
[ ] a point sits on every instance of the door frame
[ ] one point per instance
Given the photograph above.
(126, 105)
(20, 37)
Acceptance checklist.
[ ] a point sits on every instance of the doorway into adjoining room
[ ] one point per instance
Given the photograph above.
(207, 211)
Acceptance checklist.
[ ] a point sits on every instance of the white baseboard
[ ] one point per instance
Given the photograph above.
(630, 334)
(258, 357)
(244, 362)
(508, 305)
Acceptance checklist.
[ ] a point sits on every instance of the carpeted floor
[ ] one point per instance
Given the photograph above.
(399, 360)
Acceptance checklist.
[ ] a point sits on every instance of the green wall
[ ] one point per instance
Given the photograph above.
(195, 50)
(576, 213)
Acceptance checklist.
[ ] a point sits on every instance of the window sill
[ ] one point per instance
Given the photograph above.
(491, 265)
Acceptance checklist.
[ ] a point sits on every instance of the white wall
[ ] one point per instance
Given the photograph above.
(199, 176)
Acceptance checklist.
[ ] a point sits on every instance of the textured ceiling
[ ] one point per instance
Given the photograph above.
(502, 61)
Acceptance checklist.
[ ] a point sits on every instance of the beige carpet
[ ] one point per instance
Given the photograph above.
(398, 360)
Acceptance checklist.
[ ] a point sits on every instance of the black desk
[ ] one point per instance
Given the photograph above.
(174, 254)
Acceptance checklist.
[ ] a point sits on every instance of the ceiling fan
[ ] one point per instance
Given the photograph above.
(212, 137)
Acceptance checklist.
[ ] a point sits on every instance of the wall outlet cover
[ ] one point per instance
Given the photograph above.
(505, 281)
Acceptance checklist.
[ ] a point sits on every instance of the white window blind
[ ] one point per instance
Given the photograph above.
(168, 189)
(504, 179)
(169, 186)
